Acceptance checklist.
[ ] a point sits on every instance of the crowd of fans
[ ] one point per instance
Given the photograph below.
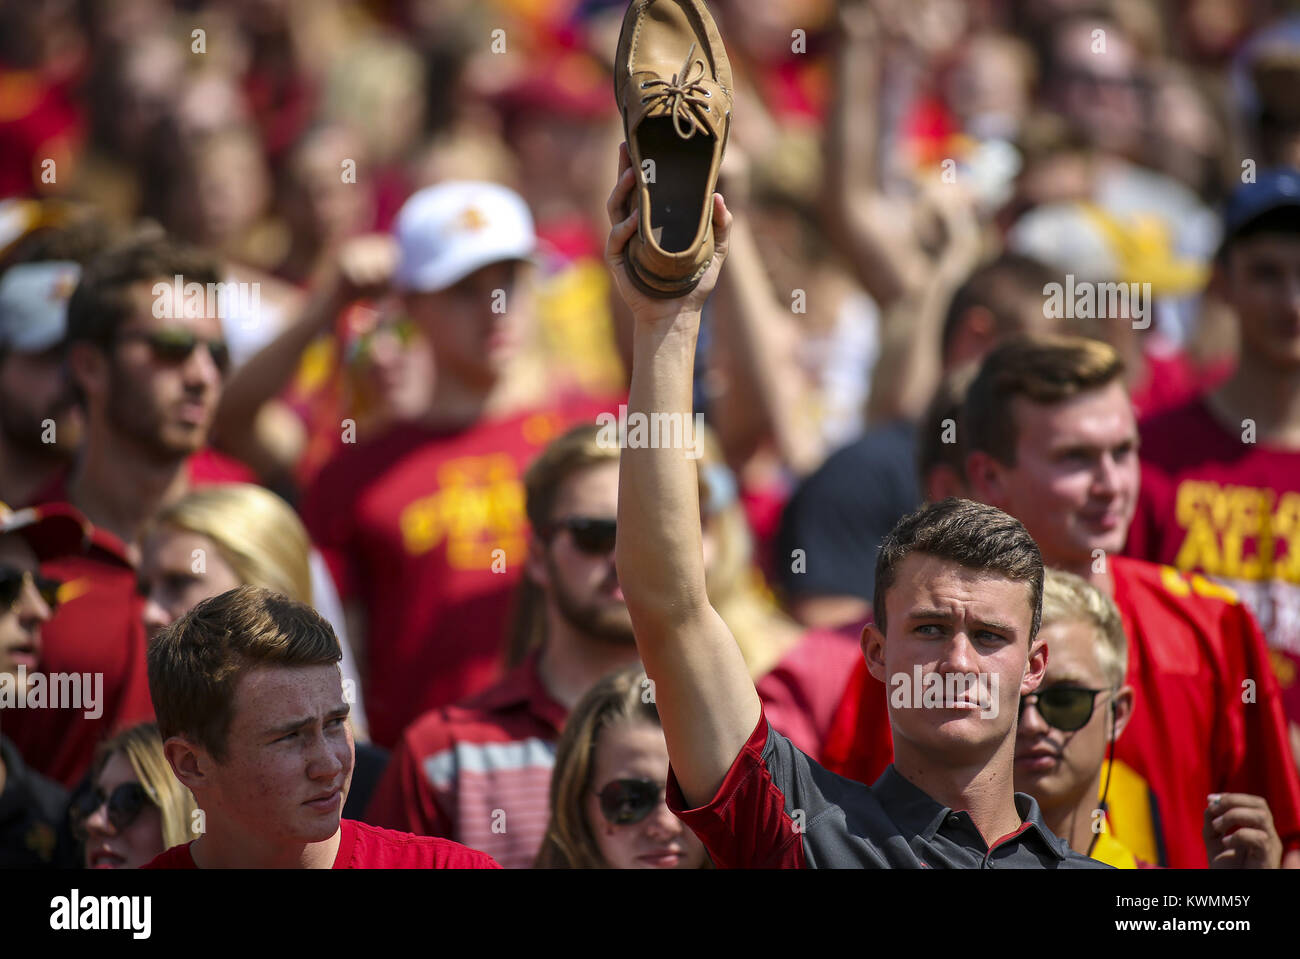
(1039, 254)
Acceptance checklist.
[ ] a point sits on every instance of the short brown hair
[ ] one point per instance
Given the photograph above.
(1042, 369)
(195, 663)
(101, 302)
(974, 535)
(1006, 286)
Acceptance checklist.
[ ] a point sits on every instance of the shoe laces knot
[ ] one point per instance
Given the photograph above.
(685, 94)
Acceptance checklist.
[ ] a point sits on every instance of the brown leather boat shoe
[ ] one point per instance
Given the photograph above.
(672, 81)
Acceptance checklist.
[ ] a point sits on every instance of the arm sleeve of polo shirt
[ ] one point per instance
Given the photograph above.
(749, 823)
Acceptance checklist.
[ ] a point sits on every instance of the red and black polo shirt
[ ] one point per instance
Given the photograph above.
(777, 808)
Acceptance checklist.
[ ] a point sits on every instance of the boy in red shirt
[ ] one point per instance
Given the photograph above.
(1226, 504)
(1049, 434)
(249, 699)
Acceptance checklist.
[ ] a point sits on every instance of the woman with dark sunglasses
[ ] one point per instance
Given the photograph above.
(135, 808)
(607, 787)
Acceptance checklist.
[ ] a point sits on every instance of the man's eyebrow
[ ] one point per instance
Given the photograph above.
(288, 727)
(296, 724)
(947, 616)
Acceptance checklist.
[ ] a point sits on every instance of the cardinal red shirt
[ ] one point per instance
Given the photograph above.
(369, 847)
(97, 630)
(1192, 650)
(426, 529)
(1214, 503)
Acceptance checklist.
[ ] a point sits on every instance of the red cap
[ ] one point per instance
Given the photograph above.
(51, 529)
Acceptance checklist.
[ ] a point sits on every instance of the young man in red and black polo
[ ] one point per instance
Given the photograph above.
(250, 703)
(958, 591)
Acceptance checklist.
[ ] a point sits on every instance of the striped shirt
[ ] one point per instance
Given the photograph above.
(478, 772)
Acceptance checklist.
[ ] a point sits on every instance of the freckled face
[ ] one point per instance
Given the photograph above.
(289, 755)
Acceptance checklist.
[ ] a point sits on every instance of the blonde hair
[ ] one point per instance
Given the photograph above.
(569, 842)
(256, 532)
(143, 747)
(1071, 599)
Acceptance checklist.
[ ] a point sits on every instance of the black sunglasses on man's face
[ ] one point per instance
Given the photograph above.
(175, 344)
(592, 536)
(1066, 708)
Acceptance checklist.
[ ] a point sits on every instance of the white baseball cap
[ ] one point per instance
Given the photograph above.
(447, 231)
(34, 304)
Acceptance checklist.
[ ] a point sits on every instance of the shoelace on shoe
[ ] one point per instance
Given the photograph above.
(685, 94)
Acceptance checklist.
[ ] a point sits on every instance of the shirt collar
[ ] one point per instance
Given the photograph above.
(522, 687)
(914, 811)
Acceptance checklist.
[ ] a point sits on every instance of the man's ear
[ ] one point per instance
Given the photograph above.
(973, 335)
(535, 564)
(87, 368)
(1036, 667)
(984, 476)
(873, 650)
(1123, 704)
(190, 762)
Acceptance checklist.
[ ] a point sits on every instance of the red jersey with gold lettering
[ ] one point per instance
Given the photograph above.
(1207, 717)
(1216, 502)
(426, 529)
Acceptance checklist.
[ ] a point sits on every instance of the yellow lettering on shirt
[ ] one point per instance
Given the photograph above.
(1236, 531)
(478, 509)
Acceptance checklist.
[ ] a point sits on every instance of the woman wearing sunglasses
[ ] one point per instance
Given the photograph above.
(607, 787)
(135, 808)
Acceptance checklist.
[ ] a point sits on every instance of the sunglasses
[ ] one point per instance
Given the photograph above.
(1066, 708)
(13, 580)
(624, 802)
(592, 536)
(124, 806)
(401, 330)
(175, 344)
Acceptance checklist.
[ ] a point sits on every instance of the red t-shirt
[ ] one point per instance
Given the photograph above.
(1214, 504)
(1191, 649)
(98, 630)
(368, 847)
(426, 529)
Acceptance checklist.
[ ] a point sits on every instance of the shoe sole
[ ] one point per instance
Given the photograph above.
(662, 294)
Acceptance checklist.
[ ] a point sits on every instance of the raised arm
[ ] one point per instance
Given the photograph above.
(703, 690)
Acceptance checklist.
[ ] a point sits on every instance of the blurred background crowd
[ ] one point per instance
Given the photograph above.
(906, 176)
